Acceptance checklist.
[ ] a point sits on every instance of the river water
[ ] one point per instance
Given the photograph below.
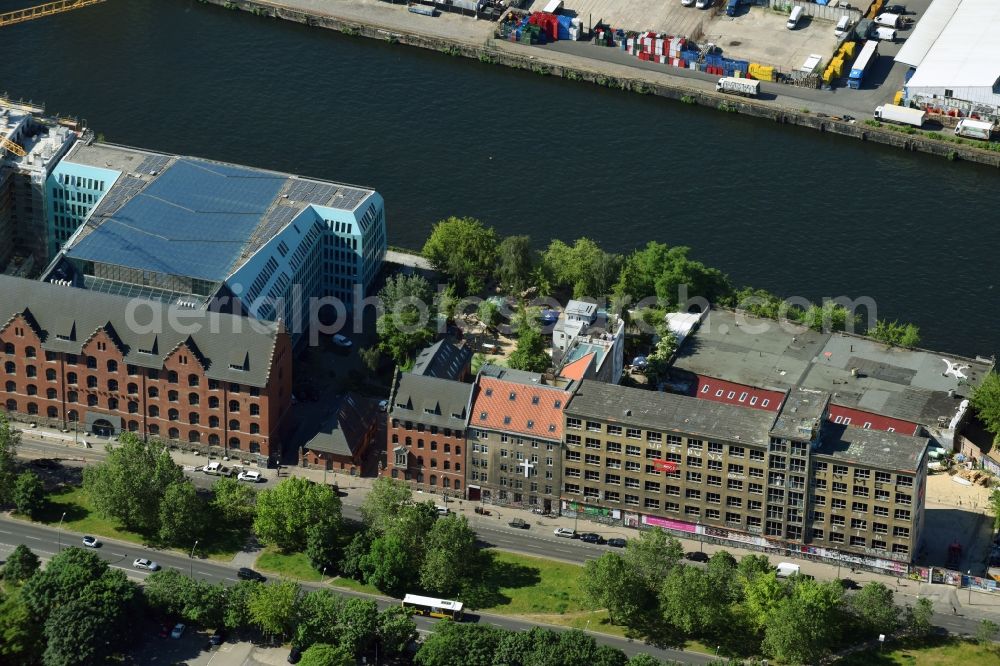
(786, 209)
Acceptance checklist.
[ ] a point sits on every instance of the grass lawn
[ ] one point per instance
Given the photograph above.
(289, 565)
(221, 544)
(355, 585)
(535, 586)
(935, 651)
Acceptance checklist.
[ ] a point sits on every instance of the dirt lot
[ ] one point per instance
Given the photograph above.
(956, 512)
(757, 34)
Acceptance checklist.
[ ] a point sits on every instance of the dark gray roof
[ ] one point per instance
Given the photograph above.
(343, 433)
(860, 373)
(67, 317)
(874, 448)
(801, 414)
(670, 412)
(431, 400)
(447, 358)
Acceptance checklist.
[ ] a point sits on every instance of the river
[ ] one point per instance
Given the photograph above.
(786, 209)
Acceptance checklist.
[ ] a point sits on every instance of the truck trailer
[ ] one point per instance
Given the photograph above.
(902, 115)
(974, 129)
(729, 84)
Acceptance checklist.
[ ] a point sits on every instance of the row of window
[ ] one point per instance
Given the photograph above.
(132, 389)
(446, 482)
(408, 441)
(447, 432)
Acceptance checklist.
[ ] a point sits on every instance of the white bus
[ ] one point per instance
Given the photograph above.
(433, 607)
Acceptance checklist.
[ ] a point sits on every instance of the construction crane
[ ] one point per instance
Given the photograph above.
(47, 9)
(7, 144)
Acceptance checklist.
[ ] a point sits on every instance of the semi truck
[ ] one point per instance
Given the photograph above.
(902, 115)
(864, 62)
(974, 129)
(747, 87)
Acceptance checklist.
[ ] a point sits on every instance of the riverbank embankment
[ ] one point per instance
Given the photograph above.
(466, 37)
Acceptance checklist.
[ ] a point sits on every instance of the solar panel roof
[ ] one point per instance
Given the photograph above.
(194, 220)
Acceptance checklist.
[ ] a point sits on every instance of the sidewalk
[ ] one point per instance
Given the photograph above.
(948, 600)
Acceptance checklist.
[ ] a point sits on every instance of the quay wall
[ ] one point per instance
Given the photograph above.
(534, 60)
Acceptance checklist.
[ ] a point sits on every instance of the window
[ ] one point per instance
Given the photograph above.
(573, 424)
(154, 411)
(902, 514)
(883, 477)
(213, 421)
(881, 511)
(234, 442)
(113, 385)
(901, 532)
(880, 528)
(858, 524)
(615, 430)
(50, 394)
(30, 371)
(692, 493)
(634, 433)
(254, 410)
(902, 498)
(734, 484)
(234, 406)
(92, 363)
(154, 392)
(613, 447)
(859, 507)
(756, 455)
(172, 377)
(694, 477)
(112, 365)
(234, 424)
(734, 501)
(837, 503)
(92, 382)
(193, 380)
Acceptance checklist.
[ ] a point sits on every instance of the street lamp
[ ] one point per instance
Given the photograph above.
(192, 557)
(59, 530)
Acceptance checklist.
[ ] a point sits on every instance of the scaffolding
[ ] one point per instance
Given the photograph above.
(39, 11)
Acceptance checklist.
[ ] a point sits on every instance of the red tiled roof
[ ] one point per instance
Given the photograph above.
(534, 411)
(741, 395)
(578, 368)
(858, 418)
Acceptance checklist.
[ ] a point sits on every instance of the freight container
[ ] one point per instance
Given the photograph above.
(901, 115)
(974, 129)
(553, 6)
(794, 17)
(748, 87)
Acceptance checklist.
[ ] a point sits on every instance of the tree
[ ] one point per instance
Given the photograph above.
(29, 494)
(874, 607)
(357, 625)
(643, 659)
(986, 401)
(130, 485)
(531, 351)
(65, 578)
(689, 601)
(895, 334)
(658, 362)
(77, 635)
(489, 314)
(721, 570)
(464, 250)
(237, 613)
(273, 607)
(652, 556)
(233, 501)
(9, 441)
(319, 612)
(762, 594)
(21, 565)
(323, 544)
(405, 322)
(451, 556)
(583, 267)
(985, 631)
(670, 275)
(918, 617)
(285, 512)
(515, 263)
(21, 640)
(370, 357)
(805, 624)
(460, 644)
(350, 563)
(995, 507)
(396, 630)
(182, 514)
(323, 654)
(172, 593)
(610, 582)
(388, 565)
(383, 503)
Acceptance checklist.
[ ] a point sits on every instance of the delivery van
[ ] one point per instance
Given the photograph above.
(842, 27)
(793, 18)
(787, 570)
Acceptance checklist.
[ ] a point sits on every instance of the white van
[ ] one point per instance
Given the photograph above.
(843, 25)
(787, 570)
(885, 34)
(793, 18)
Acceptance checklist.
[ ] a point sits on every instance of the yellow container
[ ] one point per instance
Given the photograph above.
(898, 98)
(849, 48)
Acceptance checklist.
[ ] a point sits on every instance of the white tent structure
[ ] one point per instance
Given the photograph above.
(955, 49)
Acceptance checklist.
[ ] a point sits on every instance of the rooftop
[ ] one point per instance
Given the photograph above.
(343, 432)
(504, 402)
(66, 318)
(910, 384)
(190, 216)
(670, 412)
(877, 448)
(431, 400)
(801, 415)
(447, 358)
(955, 44)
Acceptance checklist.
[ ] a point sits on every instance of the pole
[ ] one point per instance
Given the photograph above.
(59, 531)
(969, 574)
(192, 557)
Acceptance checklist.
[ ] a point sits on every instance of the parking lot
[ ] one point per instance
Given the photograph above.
(759, 35)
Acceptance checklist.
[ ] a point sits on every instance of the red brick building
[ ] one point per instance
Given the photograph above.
(78, 359)
(343, 439)
(425, 437)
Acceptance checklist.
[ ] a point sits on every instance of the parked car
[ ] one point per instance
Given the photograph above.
(591, 537)
(143, 563)
(342, 341)
(617, 542)
(246, 573)
(164, 631)
(91, 542)
(217, 637)
(383, 405)
(295, 655)
(849, 584)
(178, 630)
(520, 523)
(250, 476)
(696, 556)
(565, 532)
(442, 510)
